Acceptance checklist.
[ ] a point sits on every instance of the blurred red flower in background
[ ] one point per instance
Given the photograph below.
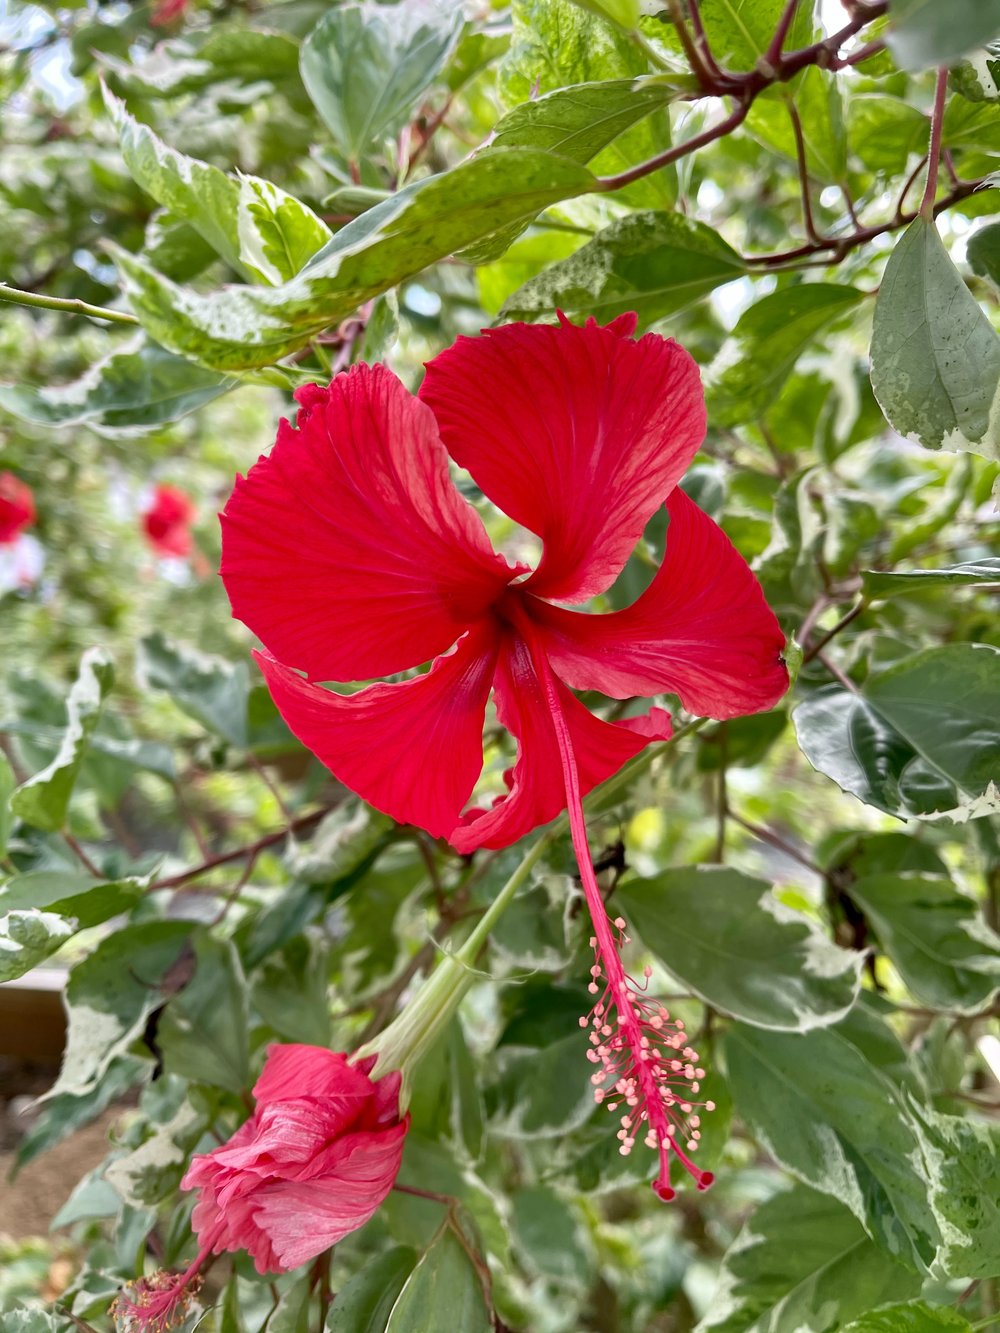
(17, 508)
(166, 11)
(167, 522)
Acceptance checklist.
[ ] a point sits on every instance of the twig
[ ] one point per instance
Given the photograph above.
(836, 673)
(252, 849)
(774, 840)
(934, 148)
(81, 856)
(664, 159)
(907, 186)
(70, 304)
(773, 53)
(803, 165)
(842, 623)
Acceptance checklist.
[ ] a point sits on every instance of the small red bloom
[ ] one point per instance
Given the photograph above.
(166, 11)
(167, 522)
(350, 553)
(17, 508)
(313, 1162)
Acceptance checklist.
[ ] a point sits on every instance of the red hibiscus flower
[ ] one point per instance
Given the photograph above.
(167, 522)
(17, 508)
(313, 1162)
(350, 553)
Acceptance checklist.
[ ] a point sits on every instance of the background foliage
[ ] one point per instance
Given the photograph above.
(256, 194)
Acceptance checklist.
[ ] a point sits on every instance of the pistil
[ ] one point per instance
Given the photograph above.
(647, 1068)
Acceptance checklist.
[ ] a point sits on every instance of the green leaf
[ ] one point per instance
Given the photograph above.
(887, 583)
(70, 893)
(920, 739)
(910, 1317)
(277, 234)
(33, 1321)
(7, 784)
(962, 1160)
(652, 263)
(740, 31)
(581, 120)
(365, 1303)
(192, 191)
(802, 1264)
(557, 44)
(290, 989)
(838, 1124)
(942, 948)
(623, 12)
(935, 356)
(884, 131)
(817, 101)
(211, 690)
(983, 252)
(153, 1170)
(27, 938)
(239, 327)
(755, 361)
(109, 997)
(729, 939)
(44, 799)
(366, 68)
(925, 34)
(203, 1029)
(137, 386)
(978, 77)
(444, 1291)
(524, 1106)
(548, 1235)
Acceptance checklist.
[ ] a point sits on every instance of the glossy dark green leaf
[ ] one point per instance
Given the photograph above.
(444, 1291)
(935, 356)
(652, 263)
(203, 1030)
(735, 945)
(945, 952)
(137, 386)
(889, 582)
(925, 34)
(366, 68)
(833, 1120)
(238, 326)
(911, 1317)
(211, 690)
(365, 1303)
(802, 1264)
(753, 365)
(920, 738)
(43, 800)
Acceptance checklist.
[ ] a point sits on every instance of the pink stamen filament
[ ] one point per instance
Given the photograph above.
(158, 1303)
(647, 1068)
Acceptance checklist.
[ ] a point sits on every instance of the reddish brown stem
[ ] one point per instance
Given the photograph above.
(934, 148)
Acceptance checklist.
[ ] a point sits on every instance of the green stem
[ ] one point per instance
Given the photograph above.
(70, 305)
(422, 1021)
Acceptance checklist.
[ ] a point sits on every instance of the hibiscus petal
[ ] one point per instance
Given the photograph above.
(413, 750)
(579, 434)
(293, 1069)
(347, 549)
(536, 782)
(304, 1218)
(702, 629)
